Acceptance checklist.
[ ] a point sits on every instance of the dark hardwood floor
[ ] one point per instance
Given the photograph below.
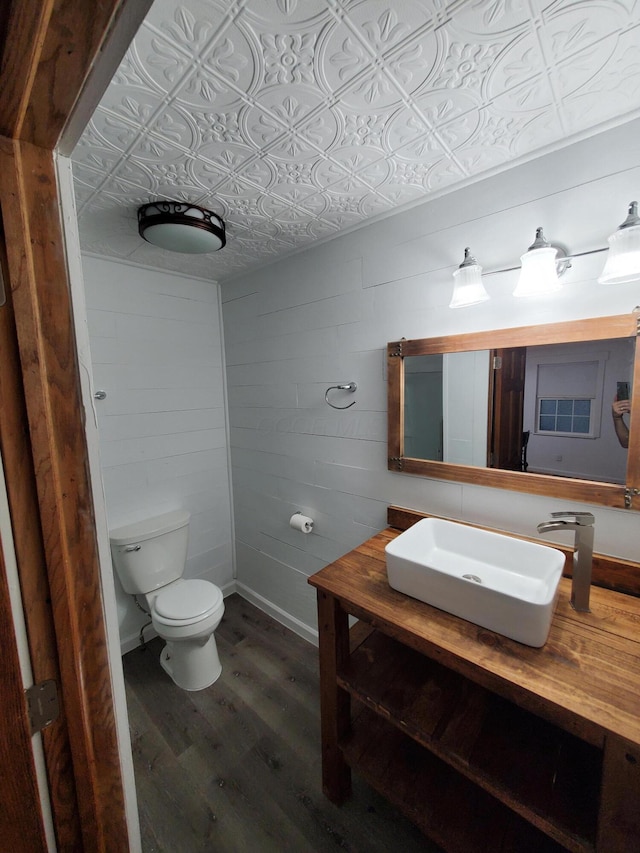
(236, 768)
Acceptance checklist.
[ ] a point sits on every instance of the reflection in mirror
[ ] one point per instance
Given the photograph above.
(423, 407)
(568, 393)
(531, 406)
(445, 415)
(541, 409)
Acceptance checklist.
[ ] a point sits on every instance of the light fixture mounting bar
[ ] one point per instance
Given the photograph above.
(558, 261)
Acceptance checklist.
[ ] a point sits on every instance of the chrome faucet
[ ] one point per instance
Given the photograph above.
(582, 523)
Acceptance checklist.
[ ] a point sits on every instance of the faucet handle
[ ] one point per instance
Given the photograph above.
(585, 518)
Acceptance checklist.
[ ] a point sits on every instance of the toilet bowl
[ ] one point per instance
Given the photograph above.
(149, 558)
(185, 614)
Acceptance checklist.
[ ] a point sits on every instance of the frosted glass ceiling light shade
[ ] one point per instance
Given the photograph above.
(181, 227)
(538, 273)
(623, 260)
(468, 288)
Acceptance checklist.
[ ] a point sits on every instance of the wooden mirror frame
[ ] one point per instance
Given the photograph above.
(586, 491)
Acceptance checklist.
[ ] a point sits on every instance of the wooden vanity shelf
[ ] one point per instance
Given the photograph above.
(484, 743)
(449, 809)
(541, 772)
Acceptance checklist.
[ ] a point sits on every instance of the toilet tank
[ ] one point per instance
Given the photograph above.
(152, 553)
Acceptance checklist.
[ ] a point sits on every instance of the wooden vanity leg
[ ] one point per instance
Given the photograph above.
(335, 710)
(619, 817)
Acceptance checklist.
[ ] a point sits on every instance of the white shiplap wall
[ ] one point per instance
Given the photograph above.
(156, 349)
(324, 317)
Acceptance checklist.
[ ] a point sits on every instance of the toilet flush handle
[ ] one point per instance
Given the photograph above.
(129, 548)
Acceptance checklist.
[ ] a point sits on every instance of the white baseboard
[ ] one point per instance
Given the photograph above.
(281, 616)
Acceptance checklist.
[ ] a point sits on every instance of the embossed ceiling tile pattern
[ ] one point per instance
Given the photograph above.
(373, 56)
(223, 73)
(444, 173)
(339, 172)
(96, 151)
(571, 29)
(108, 130)
(202, 90)
(422, 152)
(133, 106)
(290, 122)
(224, 158)
(495, 16)
(479, 158)
(294, 203)
(123, 235)
(286, 13)
(294, 119)
(517, 81)
(154, 61)
(130, 176)
(514, 135)
(209, 176)
(544, 129)
(372, 171)
(87, 177)
(611, 89)
(258, 228)
(194, 24)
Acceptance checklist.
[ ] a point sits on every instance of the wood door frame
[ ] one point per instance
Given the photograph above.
(56, 58)
(22, 796)
(30, 557)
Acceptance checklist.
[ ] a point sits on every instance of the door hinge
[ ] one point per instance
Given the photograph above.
(42, 705)
(497, 362)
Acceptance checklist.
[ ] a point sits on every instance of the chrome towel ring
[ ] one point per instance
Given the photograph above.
(349, 386)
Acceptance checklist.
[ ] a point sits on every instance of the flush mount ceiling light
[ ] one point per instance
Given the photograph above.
(181, 227)
(468, 288)
(623, 260)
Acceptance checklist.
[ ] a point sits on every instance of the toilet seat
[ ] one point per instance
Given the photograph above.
(187, 602)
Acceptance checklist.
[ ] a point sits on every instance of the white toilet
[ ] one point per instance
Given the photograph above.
(149, 557)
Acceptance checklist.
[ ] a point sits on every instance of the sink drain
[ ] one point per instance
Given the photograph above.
(473, 578)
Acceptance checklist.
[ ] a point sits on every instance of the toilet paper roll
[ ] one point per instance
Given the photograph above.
(301, 522)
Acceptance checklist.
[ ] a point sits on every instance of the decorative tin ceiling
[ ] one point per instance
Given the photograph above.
(297, 119)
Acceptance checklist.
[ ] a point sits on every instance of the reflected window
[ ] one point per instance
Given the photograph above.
(564, 416)
(569, 390)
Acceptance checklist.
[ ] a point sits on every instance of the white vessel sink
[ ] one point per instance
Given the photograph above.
(504, 584)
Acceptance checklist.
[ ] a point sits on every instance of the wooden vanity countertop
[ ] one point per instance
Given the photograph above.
(586, 678)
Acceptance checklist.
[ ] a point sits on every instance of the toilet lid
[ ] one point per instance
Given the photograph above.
(192, 599)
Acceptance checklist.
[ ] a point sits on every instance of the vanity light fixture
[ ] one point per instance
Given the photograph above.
(468, 288)
(539, 273)
(544, 263)
(623, 260)
(181, 227)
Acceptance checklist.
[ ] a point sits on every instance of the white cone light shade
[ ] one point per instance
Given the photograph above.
(538, 273)
(181, 227)
(468, 288)
(623, 259)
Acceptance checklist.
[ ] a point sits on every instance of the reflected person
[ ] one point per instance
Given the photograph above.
(620, 408)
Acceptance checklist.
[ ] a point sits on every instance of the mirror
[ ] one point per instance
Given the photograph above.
(526, 409)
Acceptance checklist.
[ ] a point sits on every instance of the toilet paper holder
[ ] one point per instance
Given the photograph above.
(301, 522)
(348, 386)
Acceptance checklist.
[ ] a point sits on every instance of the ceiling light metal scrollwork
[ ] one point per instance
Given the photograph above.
(181, 227)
